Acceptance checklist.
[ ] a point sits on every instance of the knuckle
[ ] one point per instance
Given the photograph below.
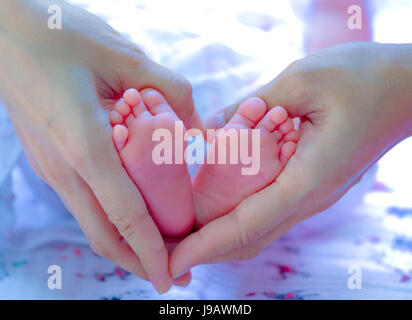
(238, 241)
(124, 225)
(248, 231)
(77, 159)
(128, 55)
(82, 150)
(187, 89)
(202, 237)
(295, 80)
(250, 235)
(151, 256)
(249, 253)
(132, 61)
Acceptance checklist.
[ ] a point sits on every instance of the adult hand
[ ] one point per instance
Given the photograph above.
(355, 103)
(57, 86)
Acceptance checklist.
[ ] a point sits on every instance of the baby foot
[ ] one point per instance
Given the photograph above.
(166, 188)
(219, 188)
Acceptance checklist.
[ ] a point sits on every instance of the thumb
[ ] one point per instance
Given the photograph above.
(174, 87)
(286, 90)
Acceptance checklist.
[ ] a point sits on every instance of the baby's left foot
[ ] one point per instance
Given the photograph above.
(219, 188)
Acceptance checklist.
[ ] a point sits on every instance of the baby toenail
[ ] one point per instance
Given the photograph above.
(122, 107)
(278, 108)
(278, 113)
(115, 117)
(150, 93)
(132, 97)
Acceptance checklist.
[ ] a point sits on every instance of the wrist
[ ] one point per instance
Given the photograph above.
(397, 82)
(403, 57)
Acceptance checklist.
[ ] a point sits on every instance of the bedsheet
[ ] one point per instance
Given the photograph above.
(367, 234)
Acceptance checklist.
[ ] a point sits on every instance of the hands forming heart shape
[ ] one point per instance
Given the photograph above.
(58, 97)
(140, 121)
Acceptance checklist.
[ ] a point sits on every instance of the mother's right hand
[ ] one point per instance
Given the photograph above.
(355, 103)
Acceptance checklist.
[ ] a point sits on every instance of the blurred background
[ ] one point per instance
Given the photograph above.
(227, 49)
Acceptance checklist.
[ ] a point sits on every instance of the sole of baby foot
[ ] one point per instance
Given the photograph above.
(166, 188)
(219, 188)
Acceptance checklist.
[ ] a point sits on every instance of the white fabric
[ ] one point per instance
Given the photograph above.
(226, 50)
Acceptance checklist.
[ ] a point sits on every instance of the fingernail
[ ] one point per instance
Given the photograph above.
(161, 285)
(178, 275)
(183, 281)
(148, 92)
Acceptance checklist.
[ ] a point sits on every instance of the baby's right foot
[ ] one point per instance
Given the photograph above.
(166, 188)
(219, 188)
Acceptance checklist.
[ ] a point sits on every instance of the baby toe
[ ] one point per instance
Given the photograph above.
(132, 97)
(120, 135)
(249, 113)
(115, 118)
(122, 107)
(272, 119)
(286, 151)
(291, 136)
(286, 127)
(155, 102)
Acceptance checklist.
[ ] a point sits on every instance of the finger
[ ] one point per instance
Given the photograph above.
(126, 209)
(305, 209)
(92, 154)
(103, 236)
(288, 91)
(176, 89)
(183, 281)
(255, 248)
(252, 250)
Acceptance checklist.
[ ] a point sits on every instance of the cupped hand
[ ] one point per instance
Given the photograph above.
(58, 86)
(354, 102)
